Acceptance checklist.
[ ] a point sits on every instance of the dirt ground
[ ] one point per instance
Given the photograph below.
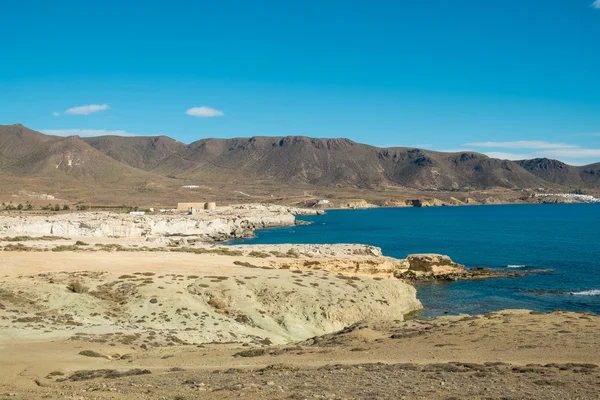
(85, 349)
(507, 355)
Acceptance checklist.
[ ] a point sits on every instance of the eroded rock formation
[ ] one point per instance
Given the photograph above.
(226, 223)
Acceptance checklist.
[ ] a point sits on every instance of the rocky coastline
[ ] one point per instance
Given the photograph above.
(95, 237)
(149, 306)
(222, 224)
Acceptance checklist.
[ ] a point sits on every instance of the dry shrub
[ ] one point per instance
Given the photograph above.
(65, 248)
(90, 353)
(292, 253)
(251, 353)
(77, 287)
(105, 373)
(259, 254)
(217, 303)
(245, 264)
(20, 247)
(223, 251)
(117, 291)
(29, 238)
(278, 254)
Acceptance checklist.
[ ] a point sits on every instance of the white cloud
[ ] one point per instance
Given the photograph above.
(509, 156)
(87, 132)
(524, 144)
(571, 153)
(596, 4)
(573, 156)
(414, 146)
(204, 112)
(87, 109)
(591, 133)
(56, 114)
(457, 150)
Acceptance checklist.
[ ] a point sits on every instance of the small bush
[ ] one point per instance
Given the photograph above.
(251, 353)
(80, 243)
(292, 253)
(105, 373)
(245, 264)
(30, 238)
(65, 248)
(278, 254)
(90, 353)
(259, 254)
(19, 247)
(217, 303)
(77, 287)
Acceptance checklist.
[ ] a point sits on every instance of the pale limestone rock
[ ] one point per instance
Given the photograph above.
(429, 265)
(225, 223)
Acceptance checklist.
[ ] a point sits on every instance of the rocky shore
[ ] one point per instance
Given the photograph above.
(221, 224)
(98, 305)
(427, 267)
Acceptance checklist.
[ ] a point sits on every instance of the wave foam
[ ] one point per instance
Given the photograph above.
(593, 292)
(515, 266)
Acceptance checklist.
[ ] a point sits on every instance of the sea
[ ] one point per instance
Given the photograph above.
(563, 238)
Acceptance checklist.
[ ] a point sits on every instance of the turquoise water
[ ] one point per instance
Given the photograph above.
(561, 237)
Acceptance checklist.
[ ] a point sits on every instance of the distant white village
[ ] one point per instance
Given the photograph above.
(578, 197)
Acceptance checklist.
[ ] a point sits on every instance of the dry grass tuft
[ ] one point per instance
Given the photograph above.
(90, 353)
(251, 353)
(77, 287)
(104, 373)
(217, 303)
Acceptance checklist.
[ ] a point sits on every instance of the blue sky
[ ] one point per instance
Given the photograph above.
(514, 79)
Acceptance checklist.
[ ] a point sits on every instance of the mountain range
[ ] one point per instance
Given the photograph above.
(288, 161)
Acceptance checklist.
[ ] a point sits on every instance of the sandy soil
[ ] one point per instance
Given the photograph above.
(509, 355)
(114, 341)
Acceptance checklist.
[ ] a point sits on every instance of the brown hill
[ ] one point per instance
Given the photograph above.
(320, 162)
(563, 174)
(27, 153)
(140, 152)
(291, 161)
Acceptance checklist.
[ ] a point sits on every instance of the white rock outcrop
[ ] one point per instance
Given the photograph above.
(225, 223)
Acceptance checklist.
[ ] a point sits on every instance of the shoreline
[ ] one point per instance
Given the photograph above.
(24, 213)
(448, 206)
(113, 315)
(503, 269)
(158, 243)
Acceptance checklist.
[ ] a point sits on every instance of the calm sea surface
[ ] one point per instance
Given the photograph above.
(561, 237)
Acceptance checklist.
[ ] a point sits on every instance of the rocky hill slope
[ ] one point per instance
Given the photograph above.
(280, 161)
(563, 174)
(27, 153)
(319, 162)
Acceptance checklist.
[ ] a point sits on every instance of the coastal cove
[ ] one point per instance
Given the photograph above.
(560, 237)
